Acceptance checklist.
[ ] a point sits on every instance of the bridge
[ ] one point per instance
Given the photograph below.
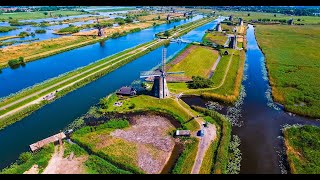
(180, 40)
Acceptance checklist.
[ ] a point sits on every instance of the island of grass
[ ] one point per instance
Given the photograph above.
(218, 78)
(37, 15)
(7, 28)
(302, 145)
(292, 60)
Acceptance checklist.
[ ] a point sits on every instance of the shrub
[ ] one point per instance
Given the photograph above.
(24, 157)
(97, 165)
(23, 34)
(199, 82)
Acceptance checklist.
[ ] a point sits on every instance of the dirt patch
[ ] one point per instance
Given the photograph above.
(60, 165)
(33, 170)
(154, 144)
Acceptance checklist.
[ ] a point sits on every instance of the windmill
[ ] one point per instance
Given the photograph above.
(100, 32)
(159, 88)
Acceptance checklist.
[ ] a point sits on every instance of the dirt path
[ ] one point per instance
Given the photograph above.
(214, 66)
(74, 77)
(60, 165)
(33, 170)
(205, 141)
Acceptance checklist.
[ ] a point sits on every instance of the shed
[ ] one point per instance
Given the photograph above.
(183, 133)
(126, 90)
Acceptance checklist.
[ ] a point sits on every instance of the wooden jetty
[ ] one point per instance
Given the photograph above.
(54, 138)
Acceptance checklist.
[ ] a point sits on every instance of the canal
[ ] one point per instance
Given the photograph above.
(38, 71)
(257, 119)
(55, 116)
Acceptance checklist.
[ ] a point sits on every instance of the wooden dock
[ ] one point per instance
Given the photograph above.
(40, 144)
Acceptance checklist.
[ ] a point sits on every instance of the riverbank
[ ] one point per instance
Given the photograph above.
(31, 99)
(301, 143)
(292, 70)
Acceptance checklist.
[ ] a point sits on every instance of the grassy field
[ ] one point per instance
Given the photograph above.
(38, 48)
(198, 62)
(293, 65)
(36, 15)
(116, 9)
(216, 37)
(229, 90)
(145, 102)
(186, 160)
(114, 149)
(259, 15)
(27, 160)
(302, 148)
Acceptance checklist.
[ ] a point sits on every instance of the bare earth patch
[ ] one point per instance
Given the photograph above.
(60, 165)
(33, 170)
(154, 144)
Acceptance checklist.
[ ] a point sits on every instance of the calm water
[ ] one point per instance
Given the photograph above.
(261, 142)
(55, 116)
(43, 69)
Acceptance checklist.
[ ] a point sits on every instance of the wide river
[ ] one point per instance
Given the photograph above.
(55, 116)
(259, 119)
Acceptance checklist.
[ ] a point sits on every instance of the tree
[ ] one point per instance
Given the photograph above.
(299, 19)
(174, 26)
(275, 15)
(45, 13)
(166, 33)
(159, 17)
(248, 14)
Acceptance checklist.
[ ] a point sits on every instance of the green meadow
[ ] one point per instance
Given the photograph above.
(292, 58)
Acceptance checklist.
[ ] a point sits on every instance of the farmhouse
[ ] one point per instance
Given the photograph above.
(126, 91)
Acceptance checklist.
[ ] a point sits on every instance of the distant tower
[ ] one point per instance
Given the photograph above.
(168, 17)
(233, 42)
(185, 14)
(240, 22)
(100, 31)
(218, 27)
(290, 22)
(230, 18)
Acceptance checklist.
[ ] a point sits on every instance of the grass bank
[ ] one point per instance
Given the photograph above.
(188, 156)
(302, 145)
(293, 66)
(27, 160)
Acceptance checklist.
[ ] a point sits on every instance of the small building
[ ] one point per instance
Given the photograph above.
(183, 133)
(126, 91)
